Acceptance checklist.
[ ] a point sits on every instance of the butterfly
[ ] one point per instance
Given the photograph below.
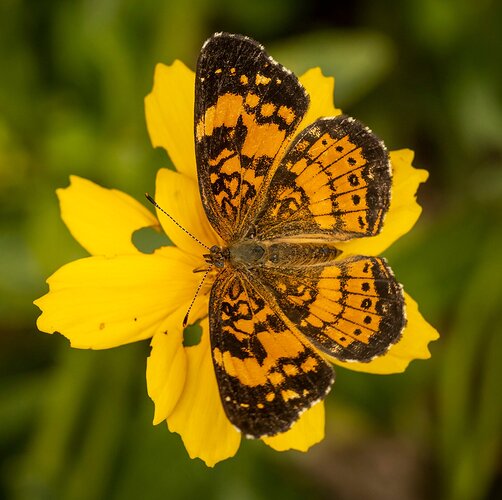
(285, 300)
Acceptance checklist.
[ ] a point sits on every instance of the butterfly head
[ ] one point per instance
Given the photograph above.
(217, 256)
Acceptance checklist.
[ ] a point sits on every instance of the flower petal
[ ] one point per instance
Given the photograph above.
(102, 220)
(101, 302)
(167, 364)
(199, 416)
(306, 432)
(179, 196)
(404, 210)
(320, 88)
(166, 371)
(169, 114)
(413, 345)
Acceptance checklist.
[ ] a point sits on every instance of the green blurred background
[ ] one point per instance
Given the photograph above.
(423, 74)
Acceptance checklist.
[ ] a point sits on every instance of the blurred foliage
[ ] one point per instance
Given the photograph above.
(424, 74)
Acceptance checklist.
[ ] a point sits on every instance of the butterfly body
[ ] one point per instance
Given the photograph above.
(285, 300)
(273, 253)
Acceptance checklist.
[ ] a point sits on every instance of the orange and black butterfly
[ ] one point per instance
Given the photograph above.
(285, 299)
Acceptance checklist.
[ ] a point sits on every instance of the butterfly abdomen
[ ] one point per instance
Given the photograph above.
(250, 253)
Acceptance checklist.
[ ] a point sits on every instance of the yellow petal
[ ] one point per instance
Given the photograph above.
(413, 345)
(101, 302)
(179, 196)
(199, 416)
(166, 371)
(102, 220)
(169, 115)
(404, 210)
(306, 432)
(167, 364)
(320, 88)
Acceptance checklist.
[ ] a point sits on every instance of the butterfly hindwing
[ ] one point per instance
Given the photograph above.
(247, 107)
(352, 309)
(266, 375)
(334, 181)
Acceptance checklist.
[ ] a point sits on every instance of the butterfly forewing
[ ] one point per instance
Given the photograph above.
(247, 107)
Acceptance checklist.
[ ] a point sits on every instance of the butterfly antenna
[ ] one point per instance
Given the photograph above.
(185, 320)
(155, 204)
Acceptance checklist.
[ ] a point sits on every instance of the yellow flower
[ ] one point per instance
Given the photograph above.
(120, 295)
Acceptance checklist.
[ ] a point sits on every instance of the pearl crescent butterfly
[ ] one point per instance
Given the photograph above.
(285, 300)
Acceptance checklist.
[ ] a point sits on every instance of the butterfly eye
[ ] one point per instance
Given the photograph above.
(274, 258)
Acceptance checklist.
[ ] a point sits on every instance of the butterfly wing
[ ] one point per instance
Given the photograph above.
(266, 375)
(247, 108)
(351, 309)
(333, 182)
